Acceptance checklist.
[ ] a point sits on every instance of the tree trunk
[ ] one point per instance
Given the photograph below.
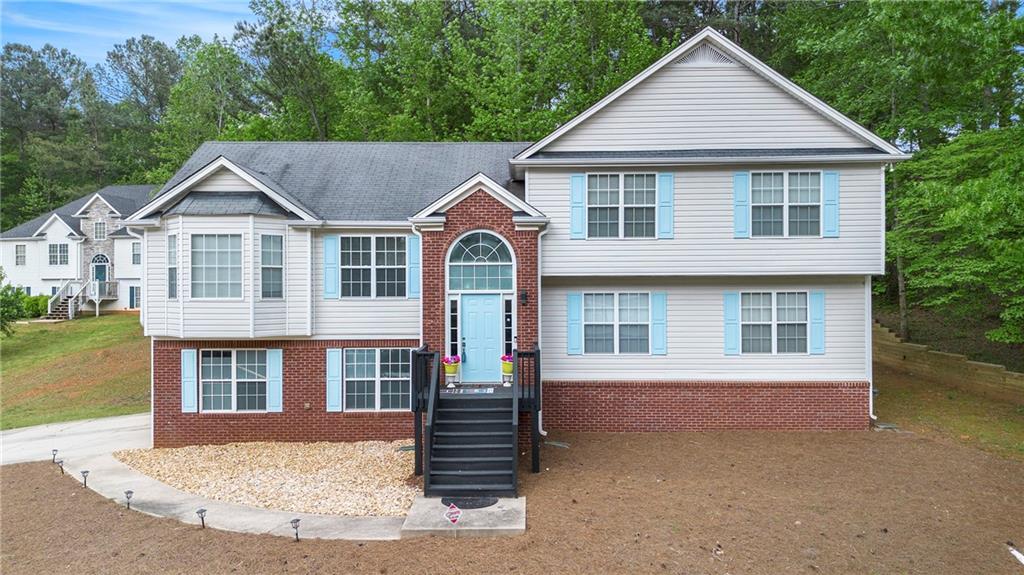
(904, 329)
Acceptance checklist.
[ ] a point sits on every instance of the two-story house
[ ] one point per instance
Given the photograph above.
(693, 252)
(80, 254)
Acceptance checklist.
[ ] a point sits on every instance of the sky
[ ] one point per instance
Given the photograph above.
(89, 28)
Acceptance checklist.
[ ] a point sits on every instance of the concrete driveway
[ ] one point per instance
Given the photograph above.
(75, 439)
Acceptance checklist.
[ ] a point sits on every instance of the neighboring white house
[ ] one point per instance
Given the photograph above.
(693, 252)
(80, 246)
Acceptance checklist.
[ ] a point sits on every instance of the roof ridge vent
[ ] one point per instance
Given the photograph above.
(704, 55)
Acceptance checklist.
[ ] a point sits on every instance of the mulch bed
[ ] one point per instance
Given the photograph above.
(859, 502)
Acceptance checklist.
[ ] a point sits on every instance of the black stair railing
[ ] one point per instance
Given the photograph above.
(425, 366)
(528, 386)
(428, 433)
(515, 422)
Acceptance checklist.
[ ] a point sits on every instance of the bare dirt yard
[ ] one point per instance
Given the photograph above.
(860, 502)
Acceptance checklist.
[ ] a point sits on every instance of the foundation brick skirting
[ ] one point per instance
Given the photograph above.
(304, 416)
(634, 406)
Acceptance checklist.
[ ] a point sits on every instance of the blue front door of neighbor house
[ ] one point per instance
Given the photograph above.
(482, 338)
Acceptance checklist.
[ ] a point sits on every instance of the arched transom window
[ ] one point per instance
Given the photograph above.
(100, 259)
(480, 262)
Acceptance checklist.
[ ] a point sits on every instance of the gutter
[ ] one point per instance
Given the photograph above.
(540, 307)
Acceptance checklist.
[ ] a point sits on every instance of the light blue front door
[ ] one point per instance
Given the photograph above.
(482, 335)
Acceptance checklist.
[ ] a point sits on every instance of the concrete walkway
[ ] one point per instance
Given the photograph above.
(111, 478)
(79, 439)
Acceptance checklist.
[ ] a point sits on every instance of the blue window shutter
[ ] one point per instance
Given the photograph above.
(830, 210)
(731, 303)
(412, 263)
(334, 380)
(331, 254)
(659, 323)
(189, 387)
(817, 335)
(574, 329)
(666, 206)
(578, 207)
(741, 205)
(275, 380)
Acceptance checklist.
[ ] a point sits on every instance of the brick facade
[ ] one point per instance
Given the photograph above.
(635, 406)
(479, 211)
(304, 416)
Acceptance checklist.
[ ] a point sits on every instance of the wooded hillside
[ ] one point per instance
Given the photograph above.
(942, 78)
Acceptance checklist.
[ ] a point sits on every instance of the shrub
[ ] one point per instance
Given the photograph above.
(35, 305)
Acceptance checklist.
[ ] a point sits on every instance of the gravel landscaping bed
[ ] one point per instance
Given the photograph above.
(369, 478)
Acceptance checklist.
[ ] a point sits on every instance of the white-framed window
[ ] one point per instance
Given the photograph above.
(622, 205)
(373, 266)
(172, 266)
(271, 266)
(377, 379)
(58, 254)
(773, 322)
(99, 231)
(19, 254)
(233, 379)
(785, 204)
(617, 322)
(216, 266)
(136, 253)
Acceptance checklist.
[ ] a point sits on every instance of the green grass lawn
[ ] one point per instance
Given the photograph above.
(924, 407)
(89, 367)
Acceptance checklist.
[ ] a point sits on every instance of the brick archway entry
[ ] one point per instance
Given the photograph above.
(479, 211)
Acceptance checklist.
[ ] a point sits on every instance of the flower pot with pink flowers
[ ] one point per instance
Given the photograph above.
(451, 364)
(506, 364)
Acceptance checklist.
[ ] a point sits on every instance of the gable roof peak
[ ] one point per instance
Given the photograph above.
(730, 50)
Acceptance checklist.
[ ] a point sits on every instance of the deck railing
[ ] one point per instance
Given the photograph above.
(65, 290)
(100, 290)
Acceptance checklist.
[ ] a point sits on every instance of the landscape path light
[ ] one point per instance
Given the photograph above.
(201, 512)
(295, 526)
(85, 478)
(128, 498)
(60, 463)
(54, 452)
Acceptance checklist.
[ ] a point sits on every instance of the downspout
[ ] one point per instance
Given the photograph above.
(419, 234)
(540, 305)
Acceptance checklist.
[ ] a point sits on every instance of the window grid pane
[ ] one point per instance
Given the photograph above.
(172, 266)
(395, 379)
(217, 266)
(215, 375)
(639, 196)
(360, 379)
(767, 196)
(356, 267)
(603, 205)
(634, 323)
(756, 322)
(598, 323)
(19, 255)
(272, 266)
(390, 266)
(99, 230)
(453, 315)
(791, 330)
(804, 220)
(136, 253)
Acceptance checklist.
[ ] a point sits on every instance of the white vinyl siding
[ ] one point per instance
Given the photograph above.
(224, 180)
(703, 222)
(355, 317)
(695, 333)
(713, 107)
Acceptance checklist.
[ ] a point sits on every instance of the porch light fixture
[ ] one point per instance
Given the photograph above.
(60, 463)
(85, 478)
(524, 297)
(128, 498)
(54, 452)
(201, 512)
(295, 526)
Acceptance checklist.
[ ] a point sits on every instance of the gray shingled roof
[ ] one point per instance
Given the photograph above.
(707, 153)
(361, 181)
(125, 199)
(226, 204)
